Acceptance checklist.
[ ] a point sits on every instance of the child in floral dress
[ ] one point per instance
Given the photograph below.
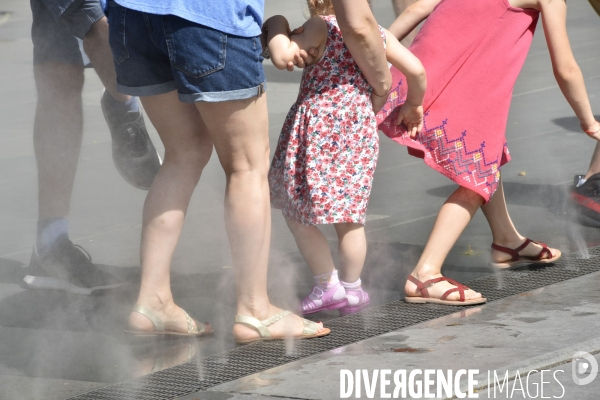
(324, 163)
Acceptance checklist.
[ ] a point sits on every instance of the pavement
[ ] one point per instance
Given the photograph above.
(54, 345)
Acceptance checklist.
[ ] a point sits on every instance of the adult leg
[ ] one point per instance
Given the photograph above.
(594, 163)
(504, 232)
(95, 44)
(453, 218)
(57, 133)
(187, 150)
(239, 130)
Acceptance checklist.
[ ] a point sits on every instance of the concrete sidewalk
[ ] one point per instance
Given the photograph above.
(538, 330)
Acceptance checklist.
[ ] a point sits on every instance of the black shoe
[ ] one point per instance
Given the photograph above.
(67, 267)
(134, 154)
(586, 199)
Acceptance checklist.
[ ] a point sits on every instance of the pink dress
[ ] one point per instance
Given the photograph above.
(323, 167)
(472, 52)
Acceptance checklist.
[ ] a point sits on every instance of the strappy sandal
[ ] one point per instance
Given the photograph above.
(518, 259)
(424, 298)
(195, 328)
(309, 332)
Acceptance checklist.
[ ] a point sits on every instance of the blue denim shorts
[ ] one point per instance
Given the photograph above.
(156, 54)
(58, 29)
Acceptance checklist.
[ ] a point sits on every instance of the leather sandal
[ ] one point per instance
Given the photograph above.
(195, 328)
(309, 332)
(425, 298)
(544, 257)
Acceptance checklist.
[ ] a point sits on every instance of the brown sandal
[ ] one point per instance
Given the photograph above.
(544, 257)
(424, 298)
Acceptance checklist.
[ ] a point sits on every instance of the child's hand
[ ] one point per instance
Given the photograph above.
(412, 117)
(378, 101)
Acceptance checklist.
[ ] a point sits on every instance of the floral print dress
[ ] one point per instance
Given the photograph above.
(324, 163)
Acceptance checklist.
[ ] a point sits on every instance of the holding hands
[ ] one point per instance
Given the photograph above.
(411, 115)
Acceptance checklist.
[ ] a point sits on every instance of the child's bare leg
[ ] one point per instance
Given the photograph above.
(313, 246)
(187, 150)
(328, 293)
(504, 232)
(352, 245)
(453, 218)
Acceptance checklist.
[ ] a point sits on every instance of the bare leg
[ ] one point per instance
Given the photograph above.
(187, 150)
(313, 246)
(352, 244)
(504, 232)
(95, 44)
(239, 132)
(595, 163)
(453, 218)
(399, 7)
(57, 133)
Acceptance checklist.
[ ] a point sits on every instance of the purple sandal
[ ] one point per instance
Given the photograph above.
(363, 301)
(324, 300)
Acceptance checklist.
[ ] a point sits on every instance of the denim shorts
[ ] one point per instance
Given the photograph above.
(59, 27)
(156, 54)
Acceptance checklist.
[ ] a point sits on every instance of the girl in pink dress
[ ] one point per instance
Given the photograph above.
(325, 159)
(473, 52)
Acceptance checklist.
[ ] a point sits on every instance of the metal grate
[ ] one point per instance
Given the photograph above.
(245, 360)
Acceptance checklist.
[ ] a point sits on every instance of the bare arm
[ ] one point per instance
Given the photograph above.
(283, 46)
(411, 112)
(566, 71)
(362, 37)
(411, 17)
(401, 58)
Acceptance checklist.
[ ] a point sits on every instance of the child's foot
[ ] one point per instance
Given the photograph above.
(321, 299)
(438, 290)
(358, 299)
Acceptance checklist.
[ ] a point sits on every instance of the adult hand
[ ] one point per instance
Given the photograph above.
(412, 117)
(303, 58)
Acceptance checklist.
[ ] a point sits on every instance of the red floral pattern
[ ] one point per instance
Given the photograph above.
(324, 163)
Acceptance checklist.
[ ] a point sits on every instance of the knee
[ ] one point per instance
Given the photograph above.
(249, 164)
(464, 195)
(58, 82)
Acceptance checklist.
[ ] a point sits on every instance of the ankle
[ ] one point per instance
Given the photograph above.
(426, 272)
(327, 280)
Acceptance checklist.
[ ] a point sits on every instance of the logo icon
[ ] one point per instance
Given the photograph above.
(584, 368)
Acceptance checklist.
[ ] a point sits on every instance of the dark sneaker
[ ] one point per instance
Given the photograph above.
(586, 199)
(134, 154)
(67, 267)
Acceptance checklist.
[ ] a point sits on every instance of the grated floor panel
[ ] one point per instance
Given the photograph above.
(249, 359)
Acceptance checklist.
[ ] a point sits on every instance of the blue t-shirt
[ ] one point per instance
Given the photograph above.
(236, 17)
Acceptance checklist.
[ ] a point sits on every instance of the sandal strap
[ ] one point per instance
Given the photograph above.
(261, 326)
(545, 250)
(255, 323)
(422, 286)
(157, 322)
(193, 325)
(513, 252)
(310, 327)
